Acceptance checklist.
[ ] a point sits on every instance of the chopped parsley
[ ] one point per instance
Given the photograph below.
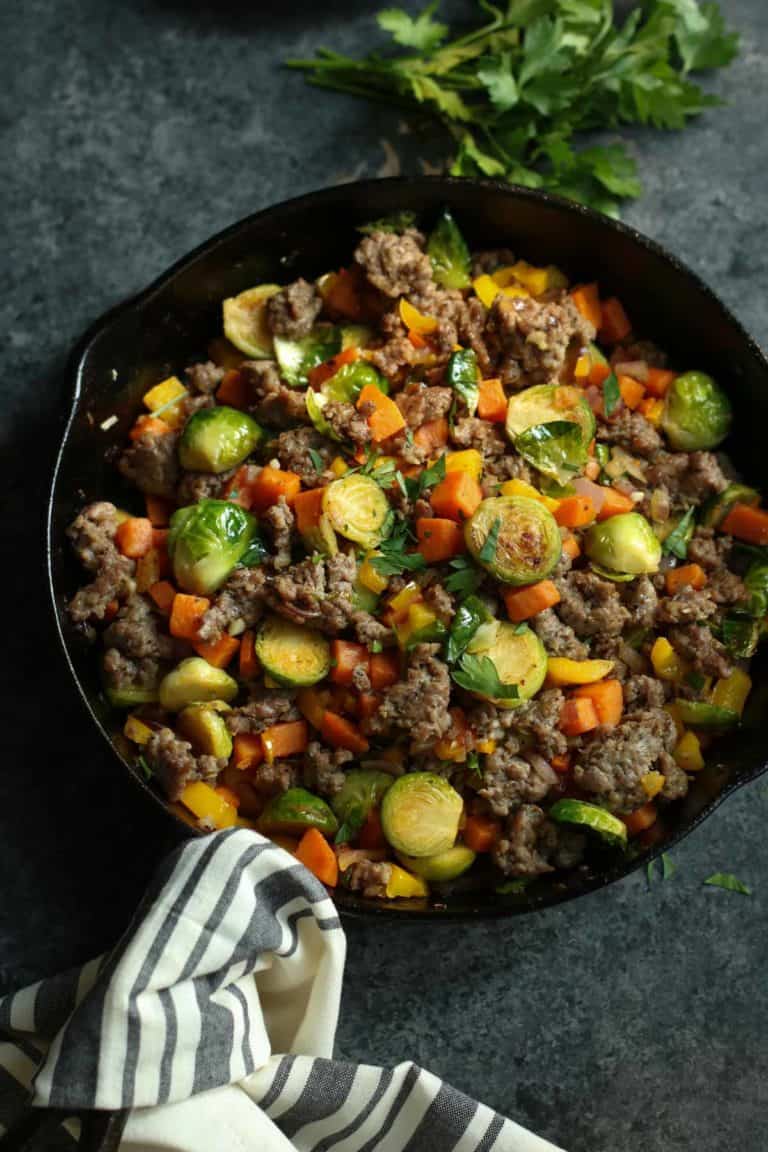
(464, 578)
(141, 762)
(392, 559)
(676, 543)
(479, 674)
(398, 221)
(488, 551)
(417, 485)
(316, 458)
(728, 881)
(473, 764)
(611, 394)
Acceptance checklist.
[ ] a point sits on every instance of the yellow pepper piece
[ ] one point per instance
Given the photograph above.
(163, 400)
(583, 367)
(405, 597)
(521, 488)
(516, 291)
(562, 671)
(469, 461)
(205, 803)
(732, 691)
(536, 280)
(136, 730)
(339, 466)
(504, 276)
(369, 577)
(653, 412)
(419, 619)
(666, 663)
(405, 884)
(486, 289)
(652, 783)
(556, 279)
(687, 753)
(486, 746)
(414, 320)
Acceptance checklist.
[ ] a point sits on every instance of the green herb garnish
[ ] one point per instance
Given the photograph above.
(514, 92)
(676, 543)
(728, 881)
(472, 765)
(465, 578)
(479, 674)
(417, 485)
(141, 762)
(488, 551)
(392, 558)
(611, 394)
(316, 458)
(397, 222)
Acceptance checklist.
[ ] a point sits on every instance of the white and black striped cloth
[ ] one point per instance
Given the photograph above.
(213, 1021)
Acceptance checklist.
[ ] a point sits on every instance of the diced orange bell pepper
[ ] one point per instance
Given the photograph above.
(316, 854)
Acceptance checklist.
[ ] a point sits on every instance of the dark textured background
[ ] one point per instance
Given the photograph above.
(131, 131)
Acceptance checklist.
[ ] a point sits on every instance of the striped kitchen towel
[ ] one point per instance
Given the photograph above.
(212, 1026)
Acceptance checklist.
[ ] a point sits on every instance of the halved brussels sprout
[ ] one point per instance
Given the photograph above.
(717, 507)
(502, 655)
(344, 387)
(362, 790)
(444, 866)
(216, 439)
(291, 653)
(195, 681)
(514, 538)
(355, 336)
(296, 358)
(551, 426)
(130, 695)
(294, 811)
(245, 321)
(447, 249)
(609, 827)
(697, 413)
(624, 543)
(420, 814)
(204, 727)
(463, 376)
(206, 541)
(358, 509)
(316, 401)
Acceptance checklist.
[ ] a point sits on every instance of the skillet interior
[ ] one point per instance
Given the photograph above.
(169, 325)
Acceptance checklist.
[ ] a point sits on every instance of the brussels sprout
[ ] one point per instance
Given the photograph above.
(296, 358)
(697, 413)
(294, 811)
(514, 538)
(447, 249)
(195, 681)
(361, 791)
(358, 509)
(130, 695)
(355, 336)
(291, 653)
(216, 439)
(205, 729)
(624, 543)
(502, 656)
(609, 827)
(444, 866)
(463, 376)
(700, 714)
(343, 387)
(717, 507)
(551, 426)
(206, 541)
(316, 401)
(741, 635)
(245, 321)
(756, 583)
(420, 814)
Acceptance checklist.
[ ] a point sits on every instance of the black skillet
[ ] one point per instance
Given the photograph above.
(168, 326)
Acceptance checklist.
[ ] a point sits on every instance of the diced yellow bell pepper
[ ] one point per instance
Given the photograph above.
(205, 803)
(516, 291)
(469, 461)
(486, 289)
(562, 671)
(405, 884)
(687, 753)
(732, 691)
(414, 320)
(674, 712)
(652, 783)
(420, 618)
(405, 597)
(536, 280)
(339, 466)
(369, 577)
(653, 412)
(522, 488)
(136, 730)
(504, 276)
(486, 746)
(583, 367)
(164, 400)
(666, 663)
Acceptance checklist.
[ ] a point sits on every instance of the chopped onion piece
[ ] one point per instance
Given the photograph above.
(595, 492)
(108, 423)
(622, 462)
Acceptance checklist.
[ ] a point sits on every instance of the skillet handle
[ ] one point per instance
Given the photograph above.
(36, 1128)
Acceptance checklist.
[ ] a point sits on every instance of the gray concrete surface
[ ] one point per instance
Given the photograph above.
(130, 131)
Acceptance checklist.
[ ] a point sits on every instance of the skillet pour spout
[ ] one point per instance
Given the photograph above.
(165, 327)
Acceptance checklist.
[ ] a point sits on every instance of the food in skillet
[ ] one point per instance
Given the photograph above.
(436, 563)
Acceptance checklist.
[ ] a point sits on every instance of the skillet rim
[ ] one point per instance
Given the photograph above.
(77, 364)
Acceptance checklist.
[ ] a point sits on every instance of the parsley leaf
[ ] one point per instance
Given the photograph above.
(392, 558)
(611, 394)
(417, 485)
(479, 674)
(676, 543)
(465, 577)
(728, 881)
(472, 765)
(423, 33)
(513, 887)
(515, 91)
(316, 458)
(141, 761)
(488, 551)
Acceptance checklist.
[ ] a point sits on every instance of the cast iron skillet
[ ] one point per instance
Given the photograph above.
(168, 326)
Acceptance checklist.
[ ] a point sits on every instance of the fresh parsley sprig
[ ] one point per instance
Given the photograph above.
(479, 674)
(392, 558)
(514, 92)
